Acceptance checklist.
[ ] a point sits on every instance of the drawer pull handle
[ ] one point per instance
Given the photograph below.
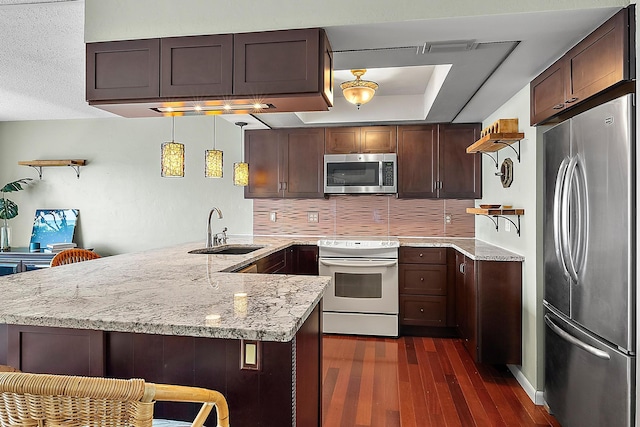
(570, 100)
(558, 107)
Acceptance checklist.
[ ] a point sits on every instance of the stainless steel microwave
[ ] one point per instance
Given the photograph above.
(360, 173)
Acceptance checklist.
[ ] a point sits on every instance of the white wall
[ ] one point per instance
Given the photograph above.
(124, 203)
(126, 19)
(523, 193)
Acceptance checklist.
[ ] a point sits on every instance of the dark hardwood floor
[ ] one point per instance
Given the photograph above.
(419, 382)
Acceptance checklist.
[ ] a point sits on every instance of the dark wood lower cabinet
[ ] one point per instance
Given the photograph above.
(489, 310)
(444, 293)
(303, 260)
(256, 397)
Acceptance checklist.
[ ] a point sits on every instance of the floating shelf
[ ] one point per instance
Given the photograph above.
(39, 164)
(494, 214)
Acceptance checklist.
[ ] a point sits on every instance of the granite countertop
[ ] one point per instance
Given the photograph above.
(165, 291)
(171, 292)
(475, 249)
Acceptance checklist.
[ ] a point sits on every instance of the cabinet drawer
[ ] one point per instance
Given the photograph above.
(423, 311)
(423, 255)
(423, 279)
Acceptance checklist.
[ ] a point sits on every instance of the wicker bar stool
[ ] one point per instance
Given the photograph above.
(70, 256)
(72, 401)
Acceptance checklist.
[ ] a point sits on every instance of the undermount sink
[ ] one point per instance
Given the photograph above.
(227, 250)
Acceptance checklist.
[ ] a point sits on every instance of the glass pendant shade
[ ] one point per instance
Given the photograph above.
(358, 91)
(172, 159)
(241, 174)
(241, 169)
(213, 164)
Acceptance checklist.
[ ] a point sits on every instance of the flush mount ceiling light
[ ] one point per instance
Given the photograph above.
(358, 91)
(241, 169)
(172, 157)
(213, 158)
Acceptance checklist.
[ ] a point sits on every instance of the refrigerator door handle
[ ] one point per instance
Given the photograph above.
(578, 248)
(575, 341)
(558, 197)
(565, 215)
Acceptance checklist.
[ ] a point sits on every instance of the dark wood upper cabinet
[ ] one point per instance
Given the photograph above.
(547, 93)
(433, 162)
(369, 139)
(417, 161)
(196, 66)
(277, 62)
(290, 70)
(600, 61)
(123, 70)
(378, 139)
(263, 155)
(302, 163)
(342, 140)
(460, 173)
(285, 163)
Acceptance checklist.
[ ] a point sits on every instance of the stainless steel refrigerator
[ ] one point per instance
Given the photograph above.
(589, 269)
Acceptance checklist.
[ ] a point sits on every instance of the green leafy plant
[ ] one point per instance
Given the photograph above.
(8, 208)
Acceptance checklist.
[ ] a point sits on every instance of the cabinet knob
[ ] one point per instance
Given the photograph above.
(422, 279)
(420, 255)
(421, 310)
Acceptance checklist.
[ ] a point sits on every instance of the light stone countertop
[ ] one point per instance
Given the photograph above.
(168, 291)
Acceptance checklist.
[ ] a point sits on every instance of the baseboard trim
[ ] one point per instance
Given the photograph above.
(536, 396)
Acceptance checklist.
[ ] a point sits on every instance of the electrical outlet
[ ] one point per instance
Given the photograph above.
(447, 218)
(312, 216)
(507, 226)
(273, 216)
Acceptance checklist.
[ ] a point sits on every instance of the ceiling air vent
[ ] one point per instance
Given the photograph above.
(446, 46)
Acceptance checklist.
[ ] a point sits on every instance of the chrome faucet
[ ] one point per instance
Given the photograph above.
(213, 241)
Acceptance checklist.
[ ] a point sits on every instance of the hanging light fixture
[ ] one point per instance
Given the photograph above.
(213, 158)
(358, 91)
(172, 158)
(241, 169)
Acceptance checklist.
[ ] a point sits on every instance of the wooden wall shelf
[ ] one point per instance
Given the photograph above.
(502, 133)
(39, 164)
(494, 214)
(494, 142)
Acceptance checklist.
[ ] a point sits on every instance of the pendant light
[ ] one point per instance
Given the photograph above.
(241, 169)
(213, 158)
(359, 91)
(172, 157)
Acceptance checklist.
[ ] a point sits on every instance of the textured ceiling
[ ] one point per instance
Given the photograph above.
(42, 63)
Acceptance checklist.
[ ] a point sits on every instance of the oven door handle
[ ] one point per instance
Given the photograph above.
(365, 264)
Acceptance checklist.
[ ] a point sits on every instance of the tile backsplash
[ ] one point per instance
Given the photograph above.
(364, 215)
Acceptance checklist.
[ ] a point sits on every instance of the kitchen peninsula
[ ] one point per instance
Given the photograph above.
(169, 316)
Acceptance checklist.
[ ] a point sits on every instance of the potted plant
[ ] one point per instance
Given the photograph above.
(9, 210)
